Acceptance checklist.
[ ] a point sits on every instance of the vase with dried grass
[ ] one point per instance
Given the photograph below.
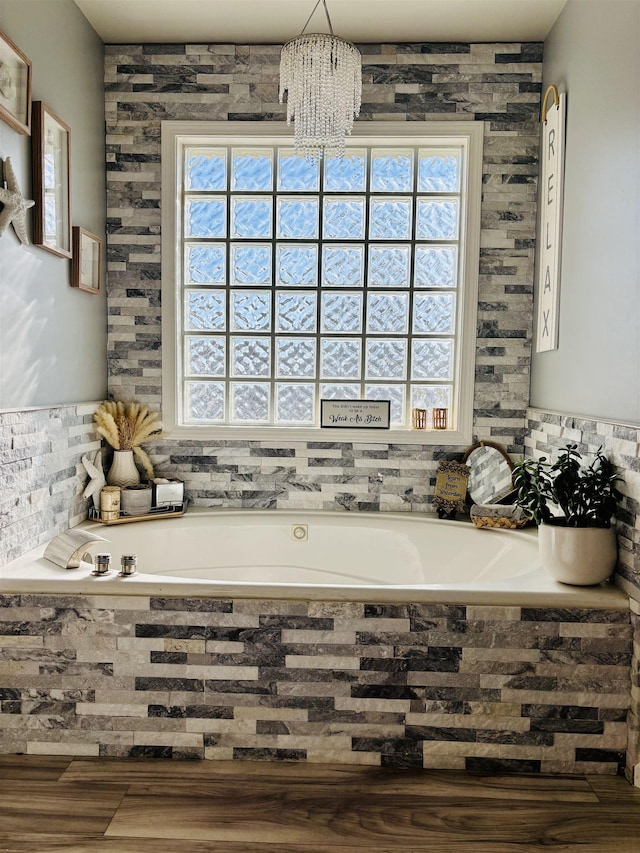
(126, 426)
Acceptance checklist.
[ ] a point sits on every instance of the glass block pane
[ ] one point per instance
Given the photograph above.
(432, 359)
(438, 172)
(390, 219)
(250, 311)
(297, 174)
(205, 264)
(343, 266)
(391, 171)
(205, 218)
(250, 264)
(340, 392)
(251, 217)
(205, 169)
(343, 219)
(205, 310)
(389, 266)
(346, 174)
(386, 359)
(205, 356)
(204, 401)
(388, 313)
(250, 401)
(296, 312)
(295, 403)
(429, 397)
(298, 218)
(297, 266)
(295, 358)
(342, 312)
(250, 356)
(437, 220)
(252, 169)
(340, 358)
(393, 393)
(436, 266)
(434, 313)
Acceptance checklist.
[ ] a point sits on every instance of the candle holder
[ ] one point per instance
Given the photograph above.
(440, 418)
(419, 418)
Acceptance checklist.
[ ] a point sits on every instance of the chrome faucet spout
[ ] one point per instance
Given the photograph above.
(69, 549)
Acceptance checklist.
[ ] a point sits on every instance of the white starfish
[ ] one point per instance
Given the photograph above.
(97, 482)
(15, 207)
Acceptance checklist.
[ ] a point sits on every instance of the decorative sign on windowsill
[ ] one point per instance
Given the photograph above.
(355, 414)
(551, 193)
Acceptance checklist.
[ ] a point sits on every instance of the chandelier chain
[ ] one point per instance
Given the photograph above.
(313, 11)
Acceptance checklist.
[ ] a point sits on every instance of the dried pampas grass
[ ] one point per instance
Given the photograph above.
(125, 426)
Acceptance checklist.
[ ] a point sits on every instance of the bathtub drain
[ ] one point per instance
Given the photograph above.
(299, 532)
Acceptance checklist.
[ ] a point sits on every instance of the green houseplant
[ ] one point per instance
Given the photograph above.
(573, 503)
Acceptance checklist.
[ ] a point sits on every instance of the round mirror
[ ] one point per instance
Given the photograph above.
(490, 473)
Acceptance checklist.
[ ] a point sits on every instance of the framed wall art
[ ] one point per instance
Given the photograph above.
(86, 265)
(51, 143)
(15, 86)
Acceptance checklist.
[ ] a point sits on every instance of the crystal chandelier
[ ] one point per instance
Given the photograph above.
(323, 76)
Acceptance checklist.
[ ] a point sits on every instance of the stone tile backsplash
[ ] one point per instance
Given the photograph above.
(41, 474)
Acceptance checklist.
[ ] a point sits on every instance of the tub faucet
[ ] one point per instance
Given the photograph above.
(68, 549)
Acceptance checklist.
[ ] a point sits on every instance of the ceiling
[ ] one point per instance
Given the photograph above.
(276, 21)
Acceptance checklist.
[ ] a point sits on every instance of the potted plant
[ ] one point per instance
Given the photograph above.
(573, 503)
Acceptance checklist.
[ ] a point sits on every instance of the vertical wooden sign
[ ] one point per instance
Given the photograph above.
(551, 195)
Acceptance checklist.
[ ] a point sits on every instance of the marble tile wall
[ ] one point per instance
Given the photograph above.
(436, 686)
(495, 83)
(41, 474)
(547, 432)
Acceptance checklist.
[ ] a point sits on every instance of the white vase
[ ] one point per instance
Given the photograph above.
(581, 556)
(123, 471)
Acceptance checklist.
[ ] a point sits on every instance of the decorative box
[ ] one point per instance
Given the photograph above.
(167, 492)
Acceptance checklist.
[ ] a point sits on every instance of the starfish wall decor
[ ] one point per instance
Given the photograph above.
(15, 207)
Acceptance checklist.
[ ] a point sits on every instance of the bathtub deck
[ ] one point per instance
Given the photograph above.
(52, 803)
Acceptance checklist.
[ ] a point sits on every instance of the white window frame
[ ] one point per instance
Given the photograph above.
(176, 134)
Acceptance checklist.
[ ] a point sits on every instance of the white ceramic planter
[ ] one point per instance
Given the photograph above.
(581, 556)
(136, 500)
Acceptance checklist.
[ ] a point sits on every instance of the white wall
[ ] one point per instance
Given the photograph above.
(53, 337)
(593, 53)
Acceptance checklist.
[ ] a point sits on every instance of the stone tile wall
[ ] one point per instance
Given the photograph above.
(495, 83)
(436, 686)
(41, 475)
(547, 432)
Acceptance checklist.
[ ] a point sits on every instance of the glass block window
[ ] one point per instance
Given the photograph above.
(338, 278)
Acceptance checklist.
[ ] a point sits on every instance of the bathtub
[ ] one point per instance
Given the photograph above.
(316, 556)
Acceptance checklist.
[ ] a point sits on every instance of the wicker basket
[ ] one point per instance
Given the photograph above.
(499, 522)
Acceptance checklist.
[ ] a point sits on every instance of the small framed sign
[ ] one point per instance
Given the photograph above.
(355, 414)
(451, 488)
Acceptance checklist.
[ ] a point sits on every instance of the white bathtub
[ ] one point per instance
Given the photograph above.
(350, 556)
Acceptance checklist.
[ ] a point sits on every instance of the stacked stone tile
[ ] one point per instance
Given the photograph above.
(427, 685)
(41, 474)
(495, 83)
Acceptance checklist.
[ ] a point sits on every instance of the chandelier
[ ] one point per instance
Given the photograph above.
(323, 76)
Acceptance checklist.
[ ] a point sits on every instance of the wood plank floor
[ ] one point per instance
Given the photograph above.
(50, 803)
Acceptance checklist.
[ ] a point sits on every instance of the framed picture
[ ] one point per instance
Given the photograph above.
(51, 143)
(86, 266)
(355, 414)
(15, 86)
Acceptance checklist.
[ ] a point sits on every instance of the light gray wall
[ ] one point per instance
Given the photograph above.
(53, 337)
(593, 53)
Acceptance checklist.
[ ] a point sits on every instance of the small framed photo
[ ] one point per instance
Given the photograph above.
(51, 144)
(86, 265)
(15, 86)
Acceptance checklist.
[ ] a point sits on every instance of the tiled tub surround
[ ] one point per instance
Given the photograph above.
(420, 685)
(547, 432)
(41, 474)
(495, 83)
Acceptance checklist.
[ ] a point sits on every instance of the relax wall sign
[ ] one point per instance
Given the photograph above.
(551, 193)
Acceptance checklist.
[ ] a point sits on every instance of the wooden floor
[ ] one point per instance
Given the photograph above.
(119, 806)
